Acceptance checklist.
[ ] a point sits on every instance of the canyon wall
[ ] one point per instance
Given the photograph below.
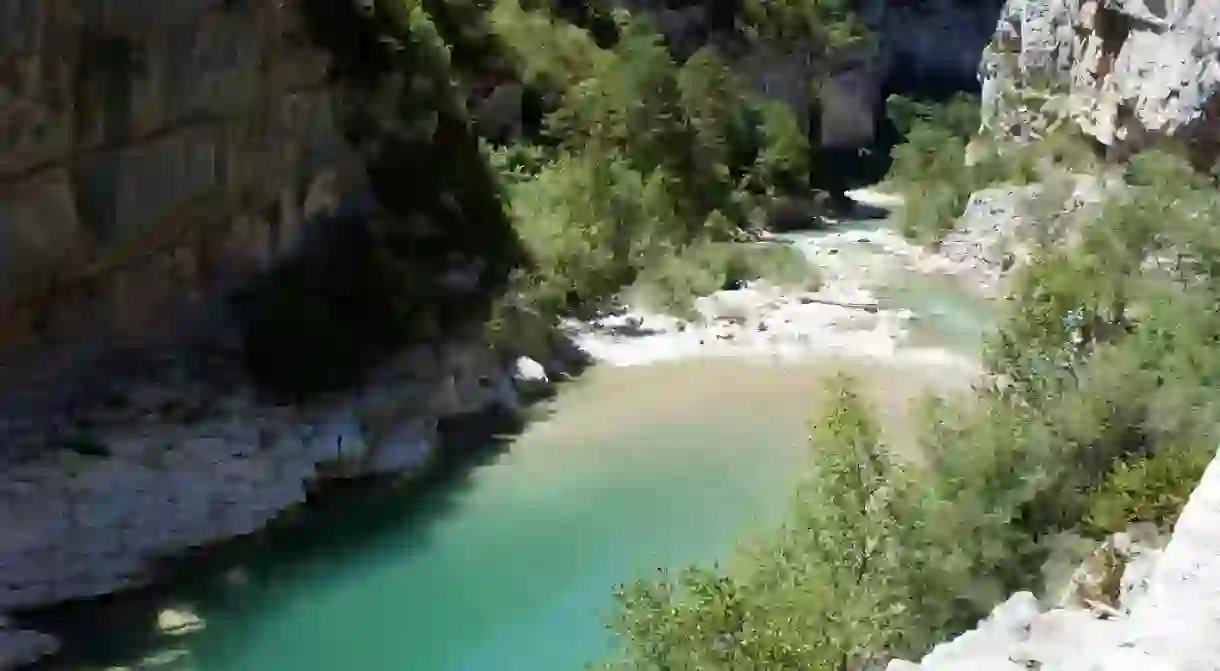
(153, 154)
(1129, 73)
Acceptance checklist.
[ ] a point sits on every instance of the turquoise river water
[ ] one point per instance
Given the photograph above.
(509, 563)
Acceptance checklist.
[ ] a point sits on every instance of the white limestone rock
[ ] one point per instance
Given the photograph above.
(1129, 70)
(1007, 626)
(1173, 626)
(529, 376)
(178, 622)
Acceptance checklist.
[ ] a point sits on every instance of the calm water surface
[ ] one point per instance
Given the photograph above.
(512, 565)
(513, 570)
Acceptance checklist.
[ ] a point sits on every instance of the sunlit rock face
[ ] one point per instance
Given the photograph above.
(1129, 606)
(1127, 72)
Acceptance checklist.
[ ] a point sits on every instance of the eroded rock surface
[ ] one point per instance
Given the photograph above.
(171, 463)
(1125, 71)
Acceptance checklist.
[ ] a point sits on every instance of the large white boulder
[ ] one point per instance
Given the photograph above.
(529, 376)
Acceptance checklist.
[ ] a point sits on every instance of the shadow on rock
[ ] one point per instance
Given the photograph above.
(342, 522)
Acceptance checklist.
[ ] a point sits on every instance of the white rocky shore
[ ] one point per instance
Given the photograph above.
(841, 318)
(762, 320)
(177, 471)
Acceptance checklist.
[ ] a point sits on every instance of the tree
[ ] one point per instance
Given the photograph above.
(829, 590)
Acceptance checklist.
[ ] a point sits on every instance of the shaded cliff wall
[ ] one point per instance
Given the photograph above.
(150, 151)
(152, 154)
(157, 155)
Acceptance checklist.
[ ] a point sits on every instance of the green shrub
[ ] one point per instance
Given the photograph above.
(671, 284)
(959, 116)
(782, 166)
(827, 590)
(517, 163)
(1147, 489)
(589, 223)
(931, 169)
(931, 212)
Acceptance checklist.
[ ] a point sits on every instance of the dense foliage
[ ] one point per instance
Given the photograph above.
(561, 150)
(644, 167)
(1102, 411)
(941, 161)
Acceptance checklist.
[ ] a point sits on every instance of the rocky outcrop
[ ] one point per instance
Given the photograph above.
(999, 226)
(1162, 613)
(183, 190)
(1127, 72)
(169, 464)
(993, 235)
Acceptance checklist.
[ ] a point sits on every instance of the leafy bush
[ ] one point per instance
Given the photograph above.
(936, 176)
(517, 163)
(827, 589)
(590, 223)
(658, 165)
(782, 165)
(1147, 489)
(958, 116)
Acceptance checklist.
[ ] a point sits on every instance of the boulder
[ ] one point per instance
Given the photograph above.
(178, 622)
(529, 376)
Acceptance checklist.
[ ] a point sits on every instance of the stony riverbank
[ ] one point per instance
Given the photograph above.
(840, 318)
(762, 320)
(173, 463)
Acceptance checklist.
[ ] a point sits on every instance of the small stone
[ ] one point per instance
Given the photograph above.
(177, 622)
(236, 577)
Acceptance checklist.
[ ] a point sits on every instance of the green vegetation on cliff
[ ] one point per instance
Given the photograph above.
(621, 166)
(941, 161)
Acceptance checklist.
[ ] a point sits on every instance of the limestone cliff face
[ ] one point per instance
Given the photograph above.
(1127, 72)
(152, 154)
(244, 172)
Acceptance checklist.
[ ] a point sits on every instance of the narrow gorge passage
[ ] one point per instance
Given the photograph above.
(512, 566)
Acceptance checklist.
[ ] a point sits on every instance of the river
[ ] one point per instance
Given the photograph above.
(508, 561)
